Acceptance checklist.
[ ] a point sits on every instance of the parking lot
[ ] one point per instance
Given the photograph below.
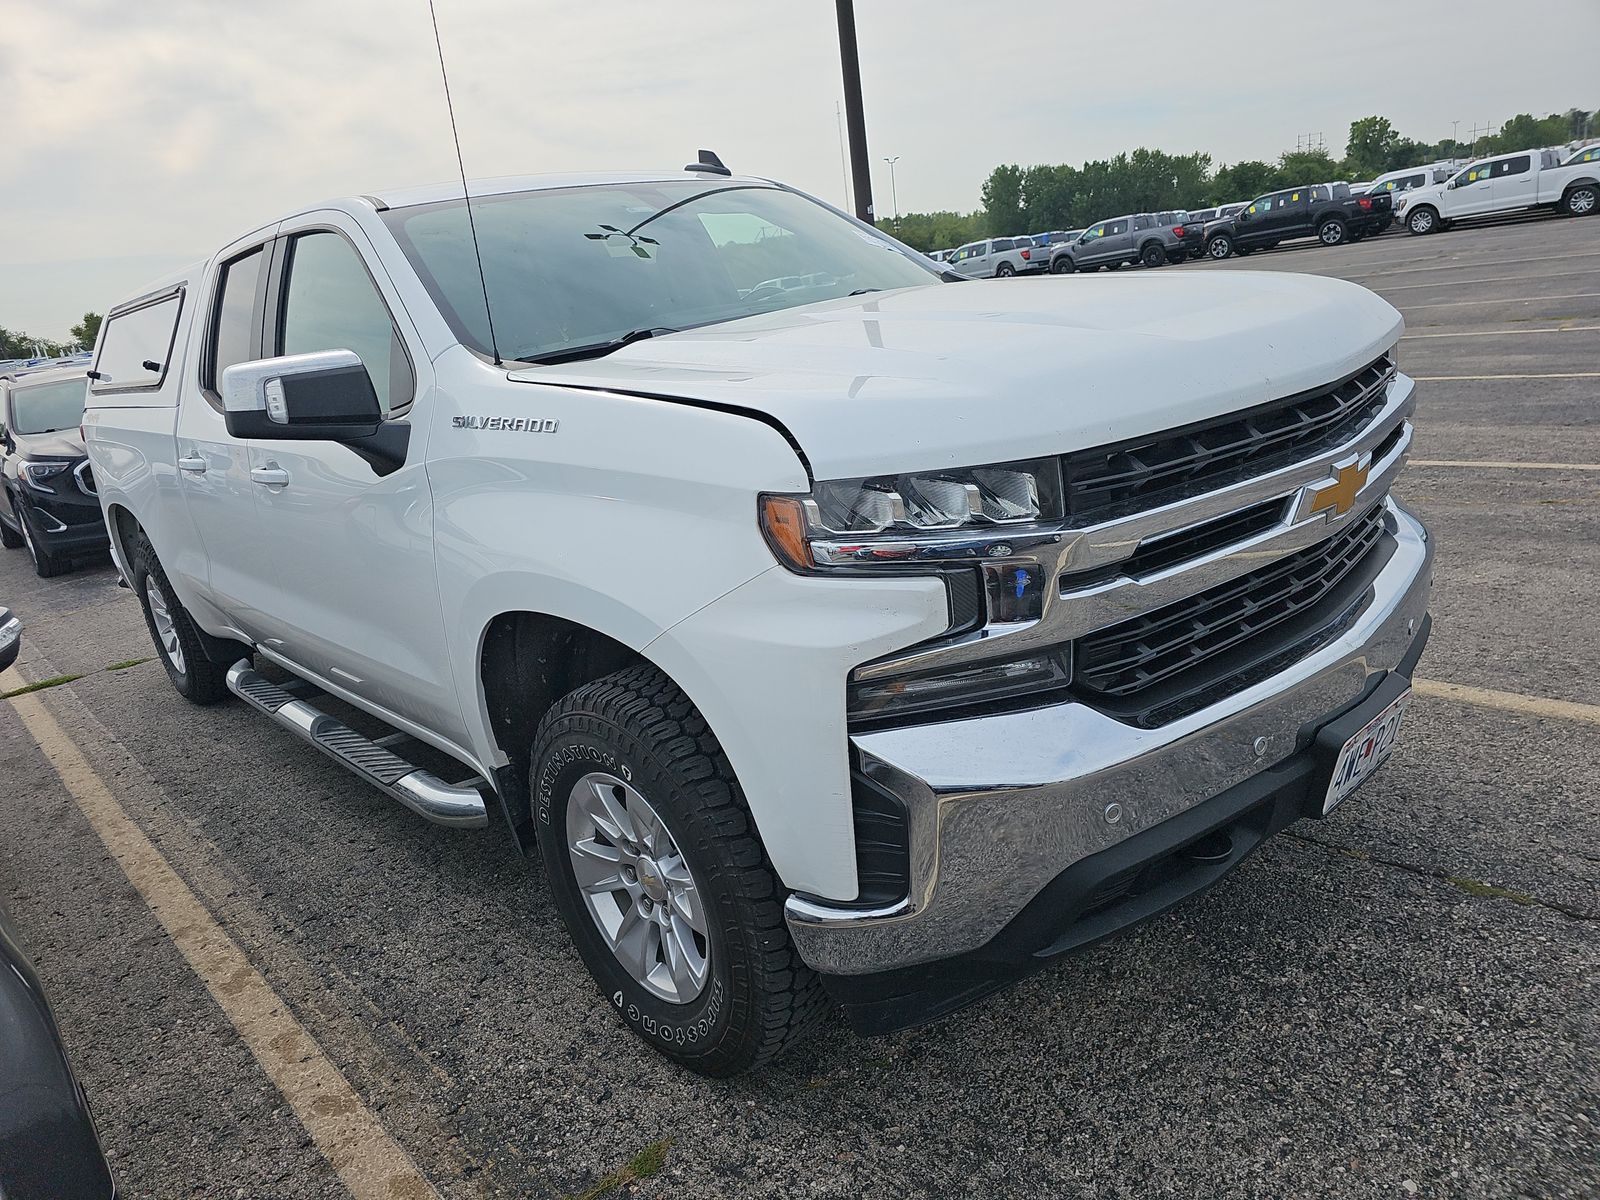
(1398, 1001)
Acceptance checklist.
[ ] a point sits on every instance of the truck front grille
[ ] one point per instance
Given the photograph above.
(1157, 666)
(1133, 476)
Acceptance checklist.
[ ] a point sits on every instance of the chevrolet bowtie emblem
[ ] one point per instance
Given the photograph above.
(1340, 495)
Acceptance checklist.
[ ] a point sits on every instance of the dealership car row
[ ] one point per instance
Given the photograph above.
(1425, 199)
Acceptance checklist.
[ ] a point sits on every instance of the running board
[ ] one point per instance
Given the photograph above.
(458, 805)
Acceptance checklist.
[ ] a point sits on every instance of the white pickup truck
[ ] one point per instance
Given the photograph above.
(1503, 184)
(878, 638)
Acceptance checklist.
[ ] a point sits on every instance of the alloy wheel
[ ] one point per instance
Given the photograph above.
(166, 628)
(638, 888)
(1581, 202)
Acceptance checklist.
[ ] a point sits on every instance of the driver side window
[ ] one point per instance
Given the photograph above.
(331, 303)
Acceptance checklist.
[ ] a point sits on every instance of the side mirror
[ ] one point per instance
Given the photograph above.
(10, 637)
(324, 396)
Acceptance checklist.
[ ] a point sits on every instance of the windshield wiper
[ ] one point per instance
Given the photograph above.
(596, 349)
(864, 291)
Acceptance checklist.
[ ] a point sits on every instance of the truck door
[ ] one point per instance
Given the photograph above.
(1515, 183)
(353, 597)
(1253, 224)
(1471, 190)
(213, 467)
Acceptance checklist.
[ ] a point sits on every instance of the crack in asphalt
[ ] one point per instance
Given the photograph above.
(1473, 887)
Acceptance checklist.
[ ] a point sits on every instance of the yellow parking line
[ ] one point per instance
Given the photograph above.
(1538, 706)
(1414, 337)
(1505, 300)
(370, 1164)
(1554, 375)
(1502, 466)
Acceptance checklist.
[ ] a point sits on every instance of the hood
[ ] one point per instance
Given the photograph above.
(63, 443)
(963, 374)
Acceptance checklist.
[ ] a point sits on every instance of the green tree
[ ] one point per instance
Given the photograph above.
(1306, 166)
(1002, 201)
(86, 330)
(1242, 181)
(1370, 148)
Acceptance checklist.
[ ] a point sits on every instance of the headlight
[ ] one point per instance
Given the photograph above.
(965, 515)
(37, 472)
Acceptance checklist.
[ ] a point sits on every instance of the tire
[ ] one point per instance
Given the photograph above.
(634, 741)
(1004, 271)
(9, 537)
(1581, 200)
(45, 564)
(1423, 220)
(177, 642)
(1061, 265)
(1219, 246)
(1153, 256)
(1333, 232)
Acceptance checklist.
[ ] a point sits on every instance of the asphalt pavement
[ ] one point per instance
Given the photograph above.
(1398, 1001)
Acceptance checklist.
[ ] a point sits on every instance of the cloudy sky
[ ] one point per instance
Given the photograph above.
(142, 135)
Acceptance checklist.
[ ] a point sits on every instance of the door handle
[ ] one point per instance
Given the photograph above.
(271, 475)
(192, 463)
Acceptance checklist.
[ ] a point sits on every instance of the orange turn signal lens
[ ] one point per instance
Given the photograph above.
(783, 523)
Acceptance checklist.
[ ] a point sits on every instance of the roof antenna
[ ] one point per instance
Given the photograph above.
(465, 194)
(709, 162)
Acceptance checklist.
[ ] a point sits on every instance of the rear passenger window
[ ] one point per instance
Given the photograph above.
(1513, 166)
(331, 303)
(135, 346)
(1002, 244)
(234, 320)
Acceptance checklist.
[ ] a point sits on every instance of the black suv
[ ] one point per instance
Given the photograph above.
(47, 497)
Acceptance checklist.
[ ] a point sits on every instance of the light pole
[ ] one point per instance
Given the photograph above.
(1455, 139)
(894, 196)
(855, 121)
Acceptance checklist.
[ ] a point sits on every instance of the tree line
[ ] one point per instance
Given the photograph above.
(16, 344)
(1034, 199)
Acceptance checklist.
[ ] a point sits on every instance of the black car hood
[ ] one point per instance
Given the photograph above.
(62, 443)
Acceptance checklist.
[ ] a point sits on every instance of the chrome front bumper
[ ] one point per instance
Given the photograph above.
(998, 806)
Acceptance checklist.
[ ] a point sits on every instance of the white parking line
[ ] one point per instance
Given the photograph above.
(1459, 378)
(1538, 706)
(1408, 287)
(1502, 466)
(1410, 337)
(369, 1163)
(1504, 300)
(1503, 262)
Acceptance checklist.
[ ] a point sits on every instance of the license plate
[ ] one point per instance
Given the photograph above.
(1365, 752)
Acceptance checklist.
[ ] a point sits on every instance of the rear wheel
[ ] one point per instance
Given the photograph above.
(1332, 232)
(1580, 200)
(1220, 246)
(1422, 220)
(197, 678)
(1153, 256)
(1004, 270)
(661, 879)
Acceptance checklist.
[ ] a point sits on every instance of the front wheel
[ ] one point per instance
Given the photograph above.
(1421, 221)
(1061, 265)
(1220, 247)
(1332, 232)
(45, 564)
(9, 537)
(197, 678)
(660, 878)
(1004, 271)
(1579, 201)
(1153, 256)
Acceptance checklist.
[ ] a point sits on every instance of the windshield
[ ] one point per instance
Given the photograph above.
(48, 407)
(571, 268)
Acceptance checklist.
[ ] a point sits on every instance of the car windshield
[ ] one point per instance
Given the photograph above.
(48, 407)
(569, 269)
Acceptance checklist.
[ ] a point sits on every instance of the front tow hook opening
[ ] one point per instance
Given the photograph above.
(1215, 847)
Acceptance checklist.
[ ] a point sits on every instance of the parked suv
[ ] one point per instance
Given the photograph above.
(998, 257)
(817, 640)
(47, 496)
